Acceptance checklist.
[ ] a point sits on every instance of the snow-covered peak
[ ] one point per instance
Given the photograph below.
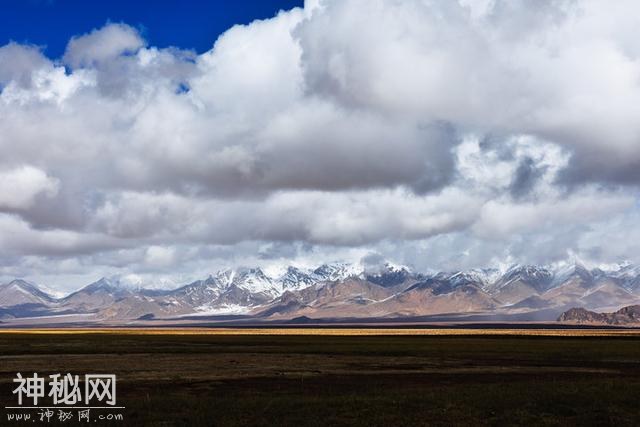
(626, 273)
(295, 279)
(623, 270)
(21, 284)
(338, 271)
(386, 267)
(482, 276)
(255, 281)
(567, 270)
(22, 292)
(224, 277)
(528, 273)
(110, 285)
(539, 278)
(387, 274)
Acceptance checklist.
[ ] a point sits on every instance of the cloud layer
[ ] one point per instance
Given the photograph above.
(440, 133)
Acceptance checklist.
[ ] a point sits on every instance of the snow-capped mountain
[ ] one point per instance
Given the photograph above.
(389, 275)
(337, 272)
(255, 281)
(484, 277)
(628, 275)
(344, 290)
(97, 296)
(18, 292)
(295, 279)
(575, 269)
(200, 292)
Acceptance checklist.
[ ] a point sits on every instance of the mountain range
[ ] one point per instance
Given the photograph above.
(338, 291)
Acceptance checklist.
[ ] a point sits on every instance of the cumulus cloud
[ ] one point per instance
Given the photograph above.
(425, 129)
(160, 257)
(19, 187)
(102, 44)
(17, 62)
(497, 66)
(317, 217)
(19, 238)
(501, 219)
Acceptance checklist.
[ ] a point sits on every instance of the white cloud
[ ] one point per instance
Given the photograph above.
(565, 71)
(17, 237)
(101, 45)
(160, 257)
(428, 129)
(17, 62)
(19, 187)
(501, 219)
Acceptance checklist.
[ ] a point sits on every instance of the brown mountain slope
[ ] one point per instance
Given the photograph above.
(352, 297)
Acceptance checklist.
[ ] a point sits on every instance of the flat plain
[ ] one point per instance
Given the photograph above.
(349, 376)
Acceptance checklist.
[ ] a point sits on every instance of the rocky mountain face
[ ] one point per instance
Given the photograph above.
(343, 291)
(626, 316)
(19, 292)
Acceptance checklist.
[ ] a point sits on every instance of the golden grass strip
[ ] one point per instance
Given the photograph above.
(329, 331)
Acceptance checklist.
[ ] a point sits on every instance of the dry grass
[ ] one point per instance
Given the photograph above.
(318, 377)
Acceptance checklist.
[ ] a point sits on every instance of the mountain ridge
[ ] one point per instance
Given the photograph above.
(626, 316)
(344, 290)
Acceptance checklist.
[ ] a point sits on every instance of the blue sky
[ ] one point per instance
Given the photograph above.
(181, 23)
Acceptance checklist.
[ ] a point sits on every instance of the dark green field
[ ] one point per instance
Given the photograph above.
(331, 380)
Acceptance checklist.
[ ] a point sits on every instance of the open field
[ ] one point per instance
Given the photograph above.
(346, 377)
(345, 331)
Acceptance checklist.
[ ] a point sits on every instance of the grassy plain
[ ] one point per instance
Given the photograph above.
(346, 377)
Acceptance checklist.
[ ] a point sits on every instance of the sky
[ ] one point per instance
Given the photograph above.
(162, 144)
(191, 25)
